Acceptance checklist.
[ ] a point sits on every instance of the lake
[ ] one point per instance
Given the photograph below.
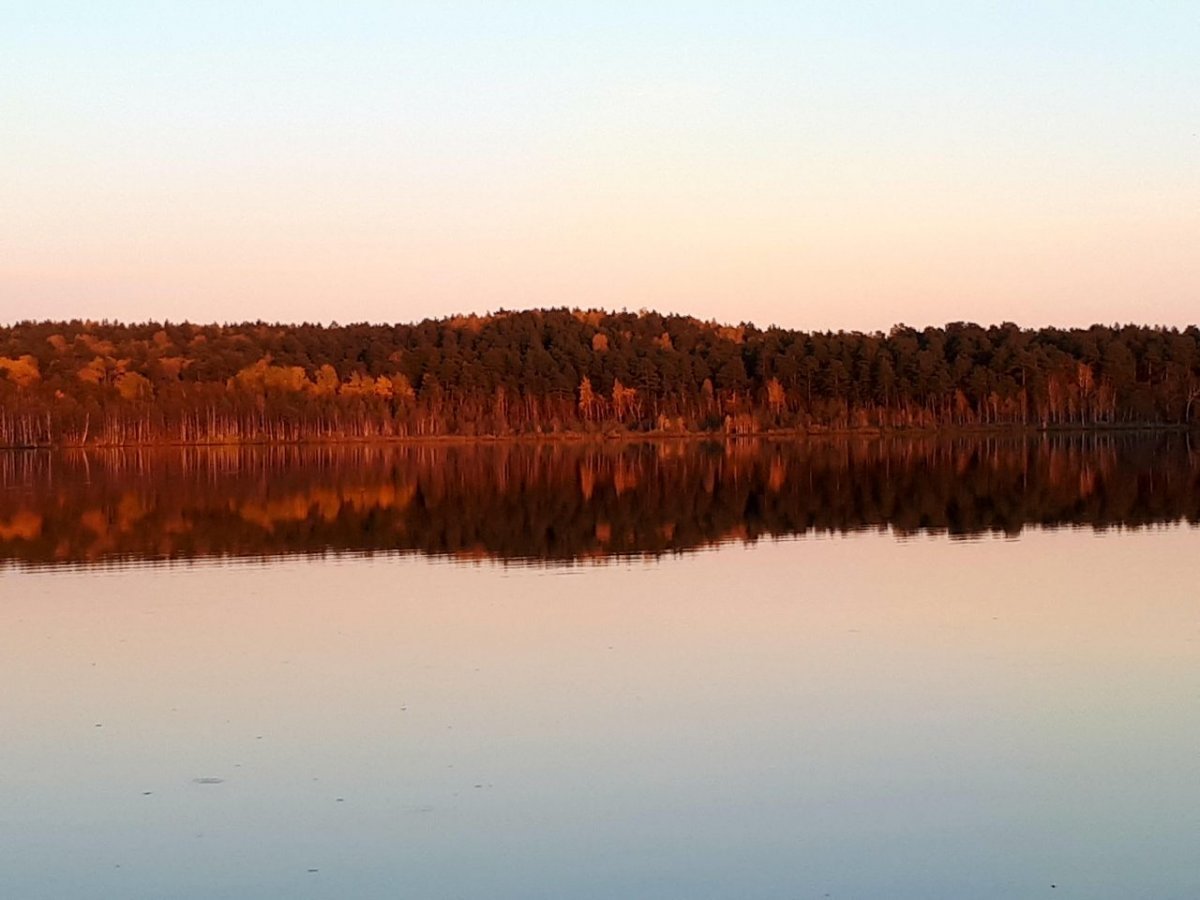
(893, 668)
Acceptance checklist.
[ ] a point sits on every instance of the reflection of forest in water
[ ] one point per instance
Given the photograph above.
(566, 501)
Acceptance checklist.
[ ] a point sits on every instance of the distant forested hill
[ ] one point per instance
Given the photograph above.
(562, 370)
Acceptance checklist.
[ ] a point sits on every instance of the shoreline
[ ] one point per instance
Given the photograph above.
(626, 437)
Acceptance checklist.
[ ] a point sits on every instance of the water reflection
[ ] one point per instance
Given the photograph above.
(564, 502)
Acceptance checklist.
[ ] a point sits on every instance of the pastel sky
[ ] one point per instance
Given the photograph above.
(815, 165)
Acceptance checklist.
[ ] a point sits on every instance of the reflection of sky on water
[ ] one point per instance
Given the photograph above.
(858, 717)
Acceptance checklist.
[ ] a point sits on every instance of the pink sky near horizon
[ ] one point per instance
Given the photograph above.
(813, 169)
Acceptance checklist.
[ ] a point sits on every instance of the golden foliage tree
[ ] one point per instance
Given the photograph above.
(22, 371)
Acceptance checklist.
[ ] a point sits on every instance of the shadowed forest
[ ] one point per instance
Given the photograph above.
(564, 502)
(567, 371)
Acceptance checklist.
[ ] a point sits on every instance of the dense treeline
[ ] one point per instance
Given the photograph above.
(561, 370)
(574, 501)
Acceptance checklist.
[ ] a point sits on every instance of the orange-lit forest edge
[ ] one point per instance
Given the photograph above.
(571, 372)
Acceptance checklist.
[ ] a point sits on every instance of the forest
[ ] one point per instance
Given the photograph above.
(565, 371)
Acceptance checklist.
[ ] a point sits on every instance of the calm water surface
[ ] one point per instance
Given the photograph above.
(862, 670)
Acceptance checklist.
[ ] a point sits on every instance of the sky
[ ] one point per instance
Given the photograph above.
(813, 165)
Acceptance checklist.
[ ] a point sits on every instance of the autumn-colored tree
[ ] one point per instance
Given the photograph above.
(22, 372)
(776, 397)
(326, 381)
(540, 371)
(623, 399)
(587, 399)
(132, 386)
